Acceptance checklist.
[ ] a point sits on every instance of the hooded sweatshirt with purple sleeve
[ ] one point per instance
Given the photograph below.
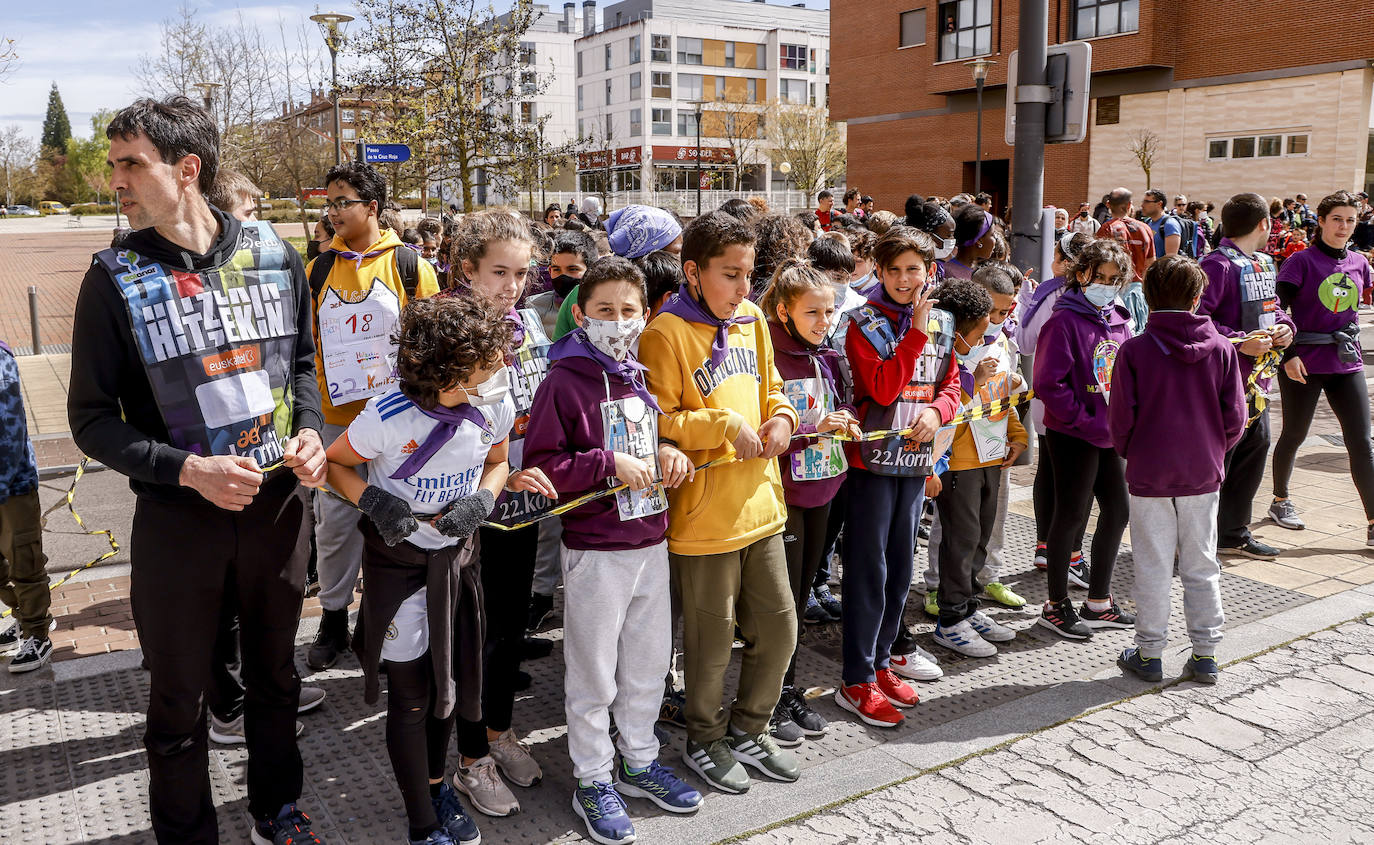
(1236, 304)
(566, 439)
(1321, 288)
(1073, 366)
(1178, 405)
(796, 361)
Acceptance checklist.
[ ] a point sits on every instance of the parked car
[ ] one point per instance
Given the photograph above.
(51, 207)
(21, 211)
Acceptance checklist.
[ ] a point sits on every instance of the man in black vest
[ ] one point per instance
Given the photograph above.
(193, 375)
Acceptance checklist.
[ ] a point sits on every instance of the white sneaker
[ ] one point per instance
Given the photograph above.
(311, 697)
(231, 732)
(989, 629)
(515, 760)
(920, 665)
(482, 784)
(962, 638)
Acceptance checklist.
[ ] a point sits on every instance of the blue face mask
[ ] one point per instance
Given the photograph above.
(1100, 295)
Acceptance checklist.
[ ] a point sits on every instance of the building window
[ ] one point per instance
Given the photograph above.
(913, 28)
(686, 123)
(1218, 148)
(792, 90)
(1108, 111)
(792, 57)
(761, 57)
(634, 49)
(366, 114)
(635, 85)
(1243, 148)
(581, 104)
(662, 121)
(581, 133)
(608, 57)
(720, 88)
(965, 29)
(608, 92)
(579, 64)
(529, 81)
(636, 123)
(813, 93)
(527, 52)
(689, 86)
(350, 134)
(689, 51)
(752, 90)
(1096, 18)
(729, 54)
(1270, 146)
(1297, 145)
(662, 48)
(662, 85)
(345, 115)
(527, 112)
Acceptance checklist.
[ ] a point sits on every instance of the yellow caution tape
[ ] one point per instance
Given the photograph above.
(1266, 366)
(977, 412)
(109, 535)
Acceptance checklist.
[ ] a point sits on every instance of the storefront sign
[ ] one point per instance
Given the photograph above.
(624, 157)
(688, 154)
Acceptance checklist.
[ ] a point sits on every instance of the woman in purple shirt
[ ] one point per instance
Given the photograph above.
(1321, 288)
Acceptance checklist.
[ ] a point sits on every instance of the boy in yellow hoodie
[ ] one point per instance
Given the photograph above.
(710, 365)
(360, 282)
(968, 496)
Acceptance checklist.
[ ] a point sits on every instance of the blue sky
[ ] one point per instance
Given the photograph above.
(92, 47)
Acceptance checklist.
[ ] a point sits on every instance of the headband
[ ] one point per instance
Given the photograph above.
(987, 227)
(1064, 241)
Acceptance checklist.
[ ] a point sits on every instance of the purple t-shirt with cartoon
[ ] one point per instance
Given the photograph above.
(1326, 300)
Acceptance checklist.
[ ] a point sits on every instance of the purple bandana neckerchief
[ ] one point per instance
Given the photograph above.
(6, 347)
(358, 257)
(448, 420)
(878, 296)
(686, 307)
(517, 338)
(576, 344)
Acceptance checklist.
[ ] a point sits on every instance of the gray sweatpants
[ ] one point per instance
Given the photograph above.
(338, 542)
(617, 639)
(992, 569)
(548, 569)
(1185, 526)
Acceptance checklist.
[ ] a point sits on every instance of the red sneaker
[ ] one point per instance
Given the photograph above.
(898, 692)
(868, 703)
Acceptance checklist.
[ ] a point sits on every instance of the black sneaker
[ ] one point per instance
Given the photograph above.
(33, 654)
(673, 709)
(1251, 548)
(794, 703)
(1061, 618)
(541, 607)
(1144, 668)
(828, 601)
(11, 636)
(784, 731)
(814, 613)
(330, 642)
(290, 827)
(923, 532)
(1200, 668)
(1078, 573)
(535, 648)
(1112, 617)
(905, 642)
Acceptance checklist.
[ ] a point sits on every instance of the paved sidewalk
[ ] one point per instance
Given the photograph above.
(52, 259)
(1281, 751)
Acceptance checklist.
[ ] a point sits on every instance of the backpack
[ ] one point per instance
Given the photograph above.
(407, 266)
(1187, 241)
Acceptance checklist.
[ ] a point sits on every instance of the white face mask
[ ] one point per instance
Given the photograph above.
(615, 338)
(491, 391)
(995, 328)
(945, 249)
(1100, 295)
(973, 356)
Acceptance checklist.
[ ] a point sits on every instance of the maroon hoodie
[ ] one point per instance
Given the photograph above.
(1178, 405)
(1074, 356)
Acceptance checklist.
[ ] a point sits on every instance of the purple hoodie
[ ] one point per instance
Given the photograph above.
(1221, 299)
(1073, 366)
(796, 361)
(1322, 294)
(1178, 405)
(566, 440)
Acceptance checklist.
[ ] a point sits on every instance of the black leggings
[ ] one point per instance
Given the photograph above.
(1043, 497)
(803, 541)
(416, 741)
(1083, 471)
(1349, 400)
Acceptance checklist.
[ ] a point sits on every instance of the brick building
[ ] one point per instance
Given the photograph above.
(1274, 98)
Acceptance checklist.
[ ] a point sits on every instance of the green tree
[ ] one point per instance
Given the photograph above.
(86, 173)
(57, 127)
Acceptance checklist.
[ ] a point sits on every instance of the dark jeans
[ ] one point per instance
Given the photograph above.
(968, 513)
(507, 578)
(880, 544)
(1083, 472)
(1349, 400)
(416, 740)
(1244, 472)
(803, 541)
(187, 558)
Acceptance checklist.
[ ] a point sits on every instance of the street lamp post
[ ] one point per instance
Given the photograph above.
(980, 73)
(698, 105)
(332, 26)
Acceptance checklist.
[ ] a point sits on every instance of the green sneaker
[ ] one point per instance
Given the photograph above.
(1003, 595)
(763, 753)
(932, 606)
(717, 765)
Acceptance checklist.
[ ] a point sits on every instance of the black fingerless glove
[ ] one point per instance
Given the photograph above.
(391, 514)
(462, 516)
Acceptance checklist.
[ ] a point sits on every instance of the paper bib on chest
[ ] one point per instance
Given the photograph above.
(528, 366)
(812, 402)
(218, 345)
(990, 432)
(356, 343)
(1258, 293)
(631, 426)
(1104, 360)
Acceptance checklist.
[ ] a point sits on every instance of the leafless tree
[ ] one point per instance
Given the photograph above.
(17, 155)
(1146, 147)
(806, 137)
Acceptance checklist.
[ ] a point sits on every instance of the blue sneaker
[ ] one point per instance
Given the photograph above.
(661, 786)
(828, 602)
(814, 613)
(454, 818)
(1200, 668)
(603, 810)
(1144, 668)
(290, 827)
(438, 837)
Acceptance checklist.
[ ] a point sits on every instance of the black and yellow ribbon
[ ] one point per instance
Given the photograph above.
(1266, 366)
(68, 501)
(977, 412)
